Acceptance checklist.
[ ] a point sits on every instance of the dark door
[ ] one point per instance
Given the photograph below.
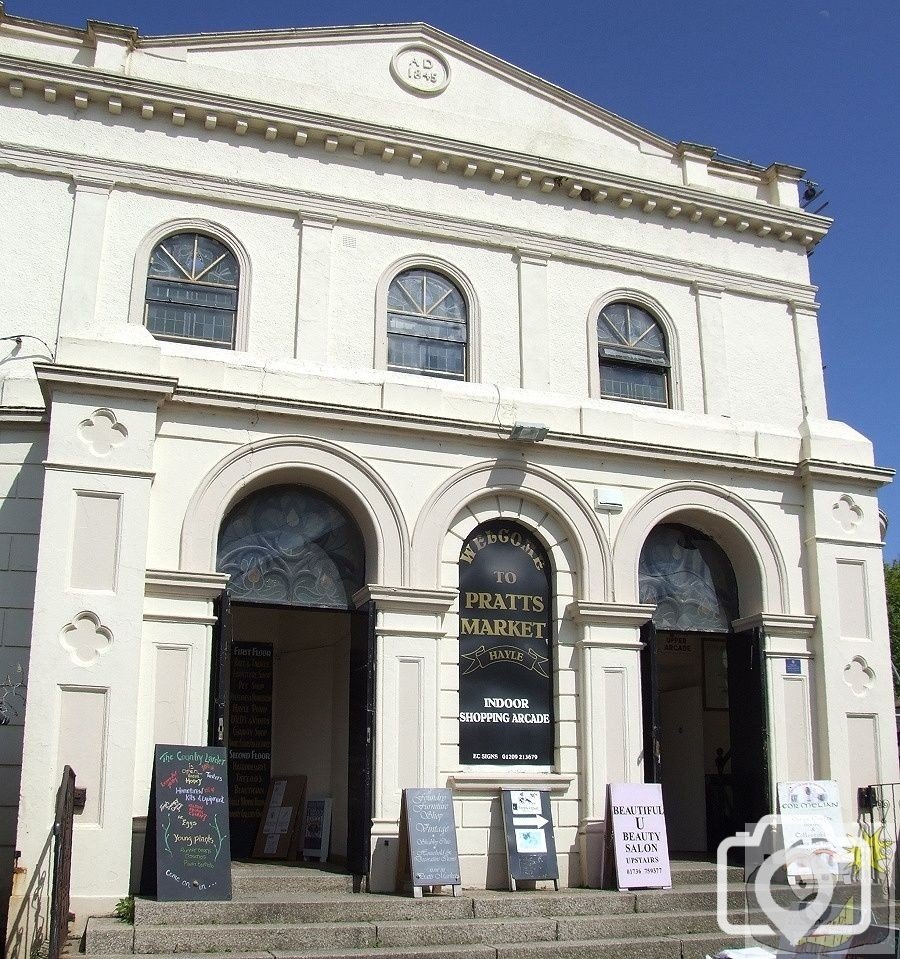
(749, 728)
(650, 702)
(220, 669)
(361, 741)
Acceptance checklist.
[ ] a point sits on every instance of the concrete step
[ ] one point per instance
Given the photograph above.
(223, 937)
(248, 878)
(301, 908)
(473, 931)
(687, 872)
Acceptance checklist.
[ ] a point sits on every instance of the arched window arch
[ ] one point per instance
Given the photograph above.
(633, 355)
(191, 294)
(427, 324)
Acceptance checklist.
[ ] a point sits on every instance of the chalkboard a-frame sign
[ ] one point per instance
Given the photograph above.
(189, 798)
(428, 852)
(530, 843)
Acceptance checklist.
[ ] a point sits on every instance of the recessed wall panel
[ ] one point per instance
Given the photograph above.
(95, 542)
(82, 745)
(851, 579)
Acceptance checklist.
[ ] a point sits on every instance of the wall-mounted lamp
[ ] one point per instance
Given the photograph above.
(528, 432)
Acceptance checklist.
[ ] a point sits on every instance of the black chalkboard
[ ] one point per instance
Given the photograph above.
(530, 844)
(428, 853)
(190, 803)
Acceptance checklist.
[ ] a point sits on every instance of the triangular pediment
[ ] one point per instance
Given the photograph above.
(367, 75)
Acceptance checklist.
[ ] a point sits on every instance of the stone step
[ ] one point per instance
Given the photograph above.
(248, 878)
(302, 908)
(248, 937)
(687, 872)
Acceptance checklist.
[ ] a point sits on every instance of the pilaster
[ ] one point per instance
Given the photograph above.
(809, 359)
(313, 286)
(89, 603)
(713, 355)
(78, 307)
(609, 698)
(534, 335)
(409, 625)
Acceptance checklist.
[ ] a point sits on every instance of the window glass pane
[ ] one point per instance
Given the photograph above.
(225, 272)
(625, 381)
(428, 356)
(434, 329)
(161, 265)
(190, 323)
(191, 294)
(627, 325)
(181, 249)
(405, 293)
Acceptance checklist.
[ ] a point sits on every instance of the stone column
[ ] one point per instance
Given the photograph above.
(85, 677)
(313, 286)
(408, 629)
(609, 698)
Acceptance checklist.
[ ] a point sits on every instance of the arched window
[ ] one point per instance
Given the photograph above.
(427, 325)
(633, 356)
(192, 290)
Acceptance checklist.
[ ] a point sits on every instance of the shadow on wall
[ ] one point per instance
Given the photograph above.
(29, 925)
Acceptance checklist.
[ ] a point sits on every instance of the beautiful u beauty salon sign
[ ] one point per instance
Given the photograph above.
(505, 663)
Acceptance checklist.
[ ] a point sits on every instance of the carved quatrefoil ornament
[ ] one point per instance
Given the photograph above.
(85, 639)
(847, 513)
(102, 432)
(859, 675)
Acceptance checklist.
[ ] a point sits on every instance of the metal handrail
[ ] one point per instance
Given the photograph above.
(63, 826)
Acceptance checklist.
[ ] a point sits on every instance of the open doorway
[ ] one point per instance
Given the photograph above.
(292, 691)
(704, 693)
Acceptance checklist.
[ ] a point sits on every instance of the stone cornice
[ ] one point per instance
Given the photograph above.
(332, 413)
(875, 476)
(409, 221)
(217, 114)
(609, 614)
(779, 625)
(24, 416)
(490, 782)
(179, 582)
(406, 600)
(76, 379)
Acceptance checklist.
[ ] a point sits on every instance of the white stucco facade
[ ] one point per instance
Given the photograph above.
(326, 176)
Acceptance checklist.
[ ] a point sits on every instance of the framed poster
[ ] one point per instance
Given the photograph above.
(505, 651)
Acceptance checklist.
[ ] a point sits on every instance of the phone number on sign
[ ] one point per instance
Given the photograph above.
(515, 757)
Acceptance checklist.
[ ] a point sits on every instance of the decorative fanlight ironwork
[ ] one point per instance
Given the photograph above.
(292, 545)
(689, 579)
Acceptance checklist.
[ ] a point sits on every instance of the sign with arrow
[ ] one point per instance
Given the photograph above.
(530, 844)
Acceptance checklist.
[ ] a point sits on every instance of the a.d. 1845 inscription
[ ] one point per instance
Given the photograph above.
(420, 69)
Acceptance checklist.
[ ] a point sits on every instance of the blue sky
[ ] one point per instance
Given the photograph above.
(814, 83)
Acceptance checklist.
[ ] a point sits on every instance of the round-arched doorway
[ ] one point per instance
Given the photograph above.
(703, 691)
(292, 685)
